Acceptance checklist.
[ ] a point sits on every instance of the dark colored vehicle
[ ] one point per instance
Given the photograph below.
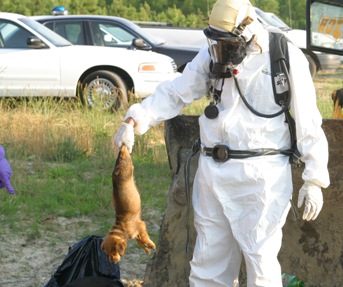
(116, 32)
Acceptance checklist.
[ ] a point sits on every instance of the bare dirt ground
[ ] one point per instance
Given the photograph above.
(26, 262)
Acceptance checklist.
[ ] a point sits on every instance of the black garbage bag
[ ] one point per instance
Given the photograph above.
(86, 259)
(93, 282)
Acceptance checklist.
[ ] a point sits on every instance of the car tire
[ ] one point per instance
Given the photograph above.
(105, 90)
(312, 65)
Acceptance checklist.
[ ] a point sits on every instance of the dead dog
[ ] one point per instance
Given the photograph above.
(127, 203)
(337, 97)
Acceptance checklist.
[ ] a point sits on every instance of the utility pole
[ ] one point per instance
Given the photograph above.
(208, 9)
(290, 13)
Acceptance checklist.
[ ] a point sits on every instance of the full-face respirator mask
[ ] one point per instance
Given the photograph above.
(227, 49)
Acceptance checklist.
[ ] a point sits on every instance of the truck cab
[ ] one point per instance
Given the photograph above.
(324, 27)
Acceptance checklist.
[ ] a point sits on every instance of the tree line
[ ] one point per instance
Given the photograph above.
(181, 13)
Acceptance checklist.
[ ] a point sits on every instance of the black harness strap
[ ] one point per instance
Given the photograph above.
(278, 50)
(279, 60)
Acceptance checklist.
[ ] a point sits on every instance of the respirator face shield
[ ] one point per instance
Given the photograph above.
(226, 49)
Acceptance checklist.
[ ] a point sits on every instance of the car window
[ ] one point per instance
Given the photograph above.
(72, 31)
(51, 36)
(13, 36)
(108, 34)
(278, 22)
(2, 45)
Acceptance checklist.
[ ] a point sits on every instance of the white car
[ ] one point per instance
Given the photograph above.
(35, 61)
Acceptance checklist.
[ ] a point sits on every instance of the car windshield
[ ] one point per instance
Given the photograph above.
(272, 20)
(154, 40)
(280, 24)
(51, 36)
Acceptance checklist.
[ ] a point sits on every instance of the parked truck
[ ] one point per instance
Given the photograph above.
(324, 26)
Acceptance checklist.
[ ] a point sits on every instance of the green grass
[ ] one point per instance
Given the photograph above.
(62, 156)
(326, 83)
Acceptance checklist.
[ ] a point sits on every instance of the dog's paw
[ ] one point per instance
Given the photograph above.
(114, 246)
(147, 244)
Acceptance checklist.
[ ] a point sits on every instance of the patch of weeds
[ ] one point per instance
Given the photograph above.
(66, 150)
(8, 202)
(54, 242)
(34, 232)
(58, 172)
(101, 134)
(104, 226)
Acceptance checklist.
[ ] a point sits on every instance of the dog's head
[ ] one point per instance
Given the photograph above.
(114, 246)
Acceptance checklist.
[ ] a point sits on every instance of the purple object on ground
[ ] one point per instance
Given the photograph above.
(5, 172)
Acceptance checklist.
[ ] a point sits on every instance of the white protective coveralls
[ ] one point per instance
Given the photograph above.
(241, 205)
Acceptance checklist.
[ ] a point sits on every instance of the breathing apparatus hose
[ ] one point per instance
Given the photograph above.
(284, 108)
(195, 149)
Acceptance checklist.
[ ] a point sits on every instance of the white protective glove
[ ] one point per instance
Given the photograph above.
(313, 196)
(124, 136)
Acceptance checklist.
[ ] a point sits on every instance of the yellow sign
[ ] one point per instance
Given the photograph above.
(332, 26)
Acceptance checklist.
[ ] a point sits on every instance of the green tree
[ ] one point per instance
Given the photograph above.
(144, 13)
(188, 13)
(41, 7)
(298, 9)
(116, 8)
(293, 12)
(176, 17)
(4, 4)
(105, 5)
(285, 12)
(17, 6)
(84, 7)
(267, 5)
(161, 5)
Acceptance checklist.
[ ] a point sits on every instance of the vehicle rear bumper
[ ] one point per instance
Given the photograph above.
(148, 85)
(329, 61)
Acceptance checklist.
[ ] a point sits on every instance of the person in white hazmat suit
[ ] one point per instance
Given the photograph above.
(241, 204)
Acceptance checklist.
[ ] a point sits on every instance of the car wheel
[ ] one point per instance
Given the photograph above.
(312, 65)
(105, 90)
